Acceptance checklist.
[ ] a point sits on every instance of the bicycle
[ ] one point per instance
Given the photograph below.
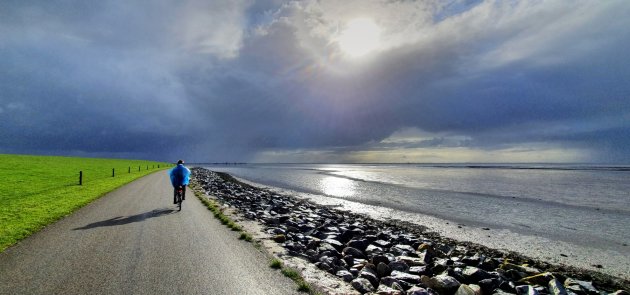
(179, 195)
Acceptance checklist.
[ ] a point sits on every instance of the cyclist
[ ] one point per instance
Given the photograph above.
(180, 176)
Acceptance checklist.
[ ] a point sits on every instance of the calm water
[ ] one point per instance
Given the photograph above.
(568, 205)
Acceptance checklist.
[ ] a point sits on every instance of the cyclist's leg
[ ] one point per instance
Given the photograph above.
(174, 195)
(183, 192)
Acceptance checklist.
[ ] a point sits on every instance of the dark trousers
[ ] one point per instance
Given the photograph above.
(175, 193)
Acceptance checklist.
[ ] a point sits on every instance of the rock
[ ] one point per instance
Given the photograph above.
(573, 285)
(488, 285)
(426, 257)
(476, 289)
(400, 250)
(345, 275)
(325, 247)
(372, 249)
(417, 291)
(360, 244)
(370, 237)
(370, 275)
(323, 265)
(555, 288)
(527, 290)
(362, 285)
(515, 275)
(488, 264)
(588, 286)
(348, 259)
(328, 260)
(580, 287)
(305, 228)
(465, 290)
(457, 274)
(508, 287)
(371, 266)
(426, 247)
(459, 264)
(501, 292)
(356, 253)
(402, 285)
(474, 275)
(332, 229)
(419, 270)
(376, 259)
(539, 279)
(382, 244)
(277, 231)
(399, 287)
(354, 271)
(472, 260)
(385, 290)
(313, 243)
(440, 265)
(387, 281)
(445, 285)
(292, 229)
(346, 235)
(522, 268)
(338, 245)
(383, 270)
(411, 261)
(359, 261)
(620, 292)
(444, 250)
(409, 239)
(407, 277)
(281, 238)
(399, 266)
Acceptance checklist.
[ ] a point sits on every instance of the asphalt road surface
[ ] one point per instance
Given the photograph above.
(134, 241)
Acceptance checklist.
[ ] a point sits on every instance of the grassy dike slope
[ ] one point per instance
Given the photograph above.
(38, 190)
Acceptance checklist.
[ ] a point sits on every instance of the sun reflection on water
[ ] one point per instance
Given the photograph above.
(337, 187)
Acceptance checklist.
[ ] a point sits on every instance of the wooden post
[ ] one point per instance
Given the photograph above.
(147, 167)
(113, 173)
(158, 166)
(138, 168)
(80, 177)
(129, 170)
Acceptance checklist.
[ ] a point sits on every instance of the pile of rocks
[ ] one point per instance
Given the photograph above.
(389, 258)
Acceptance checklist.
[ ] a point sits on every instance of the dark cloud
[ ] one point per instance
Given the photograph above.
(227, 81)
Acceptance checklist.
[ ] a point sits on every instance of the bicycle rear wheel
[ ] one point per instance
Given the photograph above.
(178, 198)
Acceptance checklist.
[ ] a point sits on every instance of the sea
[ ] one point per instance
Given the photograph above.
(572, 214)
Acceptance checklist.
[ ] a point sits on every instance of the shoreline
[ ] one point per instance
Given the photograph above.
(583, 250)
(439, 254)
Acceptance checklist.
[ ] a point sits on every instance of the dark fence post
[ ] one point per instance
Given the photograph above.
(113, 173)
(138, 168)
(80, 177)
(147, 167)
(129, 170)
(158, 165)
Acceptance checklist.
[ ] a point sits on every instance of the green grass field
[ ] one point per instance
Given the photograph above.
(38, 190)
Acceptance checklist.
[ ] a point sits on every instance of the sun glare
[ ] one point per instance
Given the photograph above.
(359, 37)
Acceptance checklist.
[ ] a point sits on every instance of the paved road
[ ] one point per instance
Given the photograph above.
(133, 241)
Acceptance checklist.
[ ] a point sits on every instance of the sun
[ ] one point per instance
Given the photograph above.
(359, 37)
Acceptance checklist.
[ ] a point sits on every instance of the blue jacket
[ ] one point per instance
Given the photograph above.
(180, 175)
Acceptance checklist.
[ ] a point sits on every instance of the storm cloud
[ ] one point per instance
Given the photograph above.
(267, 81)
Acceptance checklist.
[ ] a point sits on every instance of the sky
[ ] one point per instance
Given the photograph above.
(317, 81)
